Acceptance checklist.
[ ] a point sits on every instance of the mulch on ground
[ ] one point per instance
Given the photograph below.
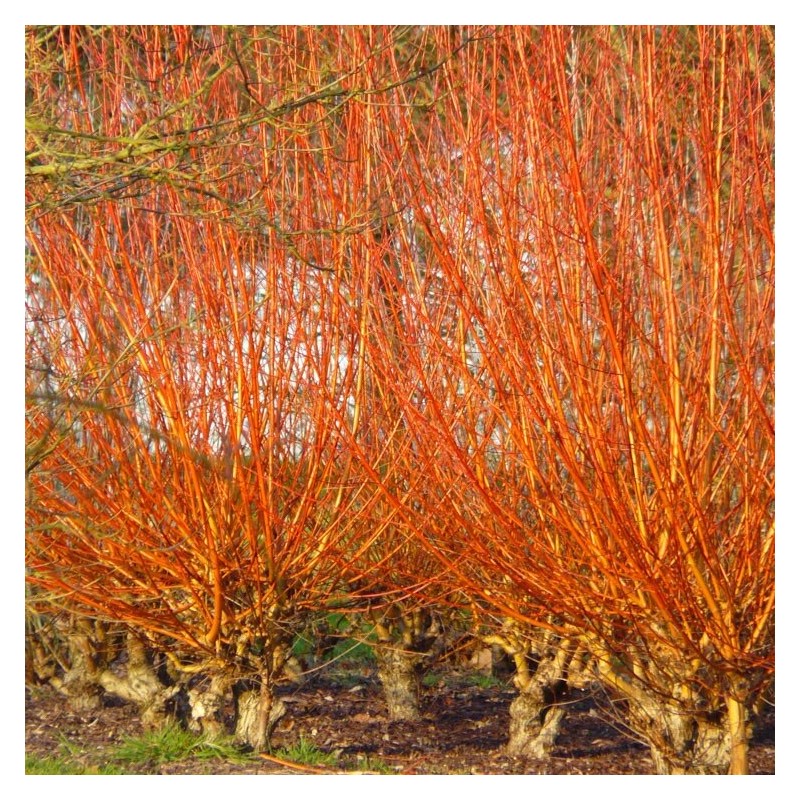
(463, 730)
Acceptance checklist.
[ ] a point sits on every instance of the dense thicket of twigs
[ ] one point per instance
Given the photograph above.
(393, 319)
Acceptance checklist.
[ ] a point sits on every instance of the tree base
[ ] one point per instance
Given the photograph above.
(398, 671)
(257, 714)
(536, 719)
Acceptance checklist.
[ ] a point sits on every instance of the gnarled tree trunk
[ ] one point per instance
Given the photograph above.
(546, 666)
(399, 673)
(80, 682)
(141, 685)
(206, 702)
(681, 742)
(686, 735)
(536, 715)
(257, 712)
(405, 638)
(537, 712)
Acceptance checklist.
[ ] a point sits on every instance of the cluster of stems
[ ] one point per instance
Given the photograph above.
(379, 317)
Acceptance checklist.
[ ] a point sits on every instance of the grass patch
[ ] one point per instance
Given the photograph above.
(370, 764)
(482, 681)
(463, 680)
(149, 751)
(352, 651)
(306, 752)
(172, 743)
(71, 760)
(66, 765)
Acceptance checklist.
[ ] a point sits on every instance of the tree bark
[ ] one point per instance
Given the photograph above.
(141, 685)
(398, 671)
(206, 702)
(682, 742)
(80, 683)
(688, 734)
(257, 713)
(546, 664)
(536, 715)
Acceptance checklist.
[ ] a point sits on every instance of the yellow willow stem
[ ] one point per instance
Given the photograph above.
(213, 537)
(737, 725)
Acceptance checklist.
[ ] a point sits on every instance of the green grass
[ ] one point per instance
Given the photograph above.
(352, 651)
(174, 744)
(370, 764)
(148, 750)
(306, 752)
(66, 765)
(482, 681)
(71, 760)
(462, 680)
(302, 646)
(430, 679)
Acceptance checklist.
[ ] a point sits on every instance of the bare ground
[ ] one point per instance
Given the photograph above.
(464, 729)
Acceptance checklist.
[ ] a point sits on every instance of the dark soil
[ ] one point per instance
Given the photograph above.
(463, 730)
